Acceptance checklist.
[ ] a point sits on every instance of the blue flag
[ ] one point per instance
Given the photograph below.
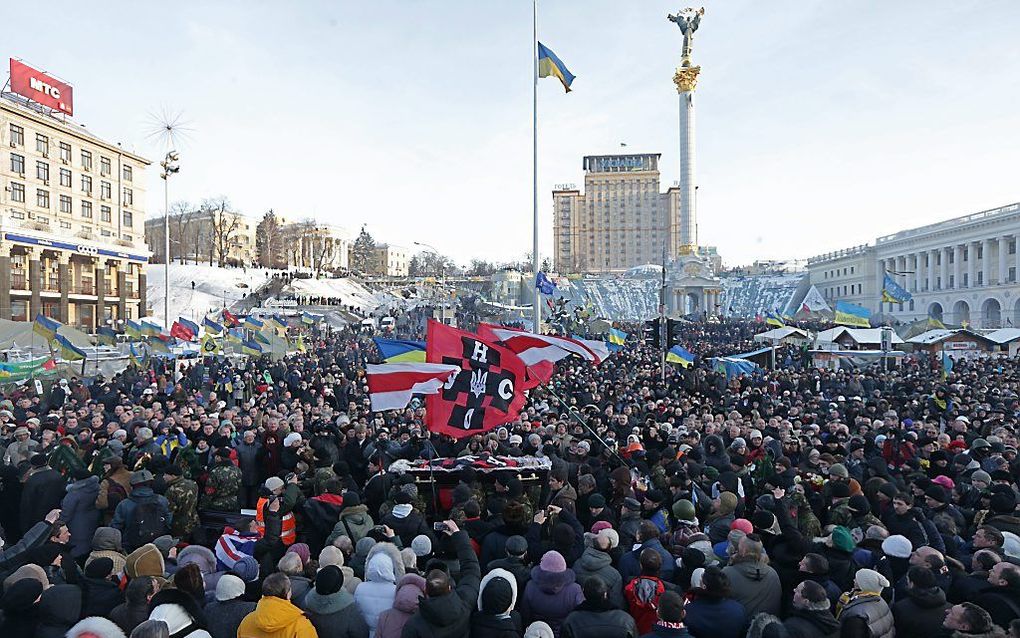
(544, 284)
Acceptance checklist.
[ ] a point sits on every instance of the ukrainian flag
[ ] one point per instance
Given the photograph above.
(151, 329)
(773, 319)
(211, 326)
(138, 359)
(850, 314)
(616, 339)
(158, 345)
(261, 338)
(107, 335)
(308, 318)
(45, 327)
(400, 351)
(235, 335)
(251, 348)
(133, 329)
(550, 65)
(68, 350)
(679, 354)
(253, 323)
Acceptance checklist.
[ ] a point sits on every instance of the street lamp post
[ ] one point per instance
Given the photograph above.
(170, 167)
(442, 266)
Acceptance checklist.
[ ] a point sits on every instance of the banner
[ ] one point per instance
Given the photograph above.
(814, 302)
(850, 314)
(486, 393)
(41, 88)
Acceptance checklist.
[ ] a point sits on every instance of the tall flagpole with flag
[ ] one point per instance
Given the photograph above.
(537, 301)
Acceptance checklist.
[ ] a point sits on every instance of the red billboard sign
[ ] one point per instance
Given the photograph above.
(41, 88)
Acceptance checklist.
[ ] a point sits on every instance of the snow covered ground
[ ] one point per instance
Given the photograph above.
(349, 291)
(213, 287)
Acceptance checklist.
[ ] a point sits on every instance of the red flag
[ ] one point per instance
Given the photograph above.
(49, 364)
(230, 319)
(181, 331)
(486, 393)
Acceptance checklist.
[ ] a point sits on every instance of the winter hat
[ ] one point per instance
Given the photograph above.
(99, 568)
(765, 521)
(516, 546)
(743, 525)
(98, 627)
(274, 483)
(539, 629)
(351, 499)
(409, 560)
(1003, 502)
(596, 501)
(683, 510)
(229, 587)
(246, 568)
(422, 545)
(31, 571)
(841, 539)
(553, 562)
(302, 550)
(291, 439)
(840, 490)
(981, 475)
(897, 546)
(870, 580)
(144, 561)
(364, 546)
(696, 577)
(164, 543)
(329, 580)
(838, 469)
(944, 481)
(598, 526)
(21, 596)
(859, 505)
(331, 556)
(936, 493)
(498, 592)
(632, 504)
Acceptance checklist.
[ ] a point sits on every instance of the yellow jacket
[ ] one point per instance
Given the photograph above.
(275, 618)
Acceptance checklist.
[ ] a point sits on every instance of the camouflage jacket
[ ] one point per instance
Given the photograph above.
(222, 488)
(182, 496)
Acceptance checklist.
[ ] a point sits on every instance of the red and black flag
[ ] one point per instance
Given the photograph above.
(486, 393)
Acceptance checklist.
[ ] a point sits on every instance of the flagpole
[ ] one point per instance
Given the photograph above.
(537, 301)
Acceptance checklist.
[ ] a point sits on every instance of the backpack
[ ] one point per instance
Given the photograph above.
(115, 493)
(149, 523)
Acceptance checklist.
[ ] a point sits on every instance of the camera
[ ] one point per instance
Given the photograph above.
(440, 527)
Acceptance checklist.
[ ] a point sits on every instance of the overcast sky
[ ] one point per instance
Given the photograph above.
(820, 124)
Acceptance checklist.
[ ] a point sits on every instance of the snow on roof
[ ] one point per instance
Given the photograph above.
(935, 336)
(1004, 335)
(780, 333)
(860, 335)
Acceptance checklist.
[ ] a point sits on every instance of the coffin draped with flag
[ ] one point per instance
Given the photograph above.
(486, 393)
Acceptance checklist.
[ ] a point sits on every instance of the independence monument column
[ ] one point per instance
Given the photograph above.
(686, 78)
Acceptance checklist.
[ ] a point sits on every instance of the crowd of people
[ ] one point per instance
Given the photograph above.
(256, 498)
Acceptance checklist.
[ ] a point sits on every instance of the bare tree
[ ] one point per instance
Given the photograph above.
(182, 218)
(225, 225)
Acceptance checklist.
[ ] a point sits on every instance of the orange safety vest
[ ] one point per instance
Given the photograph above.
(288, 533)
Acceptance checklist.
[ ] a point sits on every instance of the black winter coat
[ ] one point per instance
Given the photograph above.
(489, 626)
(920, 613)
(803, 623)
(99, 596)
(449, 615)
(43, 492)
(598, 620)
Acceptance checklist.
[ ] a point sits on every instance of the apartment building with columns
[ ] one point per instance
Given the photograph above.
(962, 270)
(72, 213)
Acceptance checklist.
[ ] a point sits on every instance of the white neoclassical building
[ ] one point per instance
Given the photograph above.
(959, 270)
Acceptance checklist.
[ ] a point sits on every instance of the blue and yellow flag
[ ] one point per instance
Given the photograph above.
(211, 326)
(158, 345)
(151, 329)
(773, 319)
(400, 351)
(308, 318)
(892, 292)
(45, 327)
(301, 343)
(550, 65)
(106, 335)
(679, 354)
(616, 339)
(133, 329)
(849, 314)
(251, 348)
(68, 350)
(138, 359)
(253, 323)
(261, 338)
(235, 335)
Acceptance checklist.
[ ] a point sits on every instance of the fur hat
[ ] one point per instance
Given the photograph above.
(145, 561)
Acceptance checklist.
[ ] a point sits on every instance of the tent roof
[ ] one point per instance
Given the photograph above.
(1004, 335)
(937, 336)
(781, 333)
(860, 335)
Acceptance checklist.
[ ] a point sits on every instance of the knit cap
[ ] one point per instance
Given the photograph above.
(897, 546)
(329, 580)
(553, 562)
(539, 629)
(302, 550)
(870, 580)
(331, 556)
(497, 593)
(246, 568)
(422, 545)
(229, 587)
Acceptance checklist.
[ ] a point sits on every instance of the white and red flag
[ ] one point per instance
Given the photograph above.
(391, 385)
(533, 348)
